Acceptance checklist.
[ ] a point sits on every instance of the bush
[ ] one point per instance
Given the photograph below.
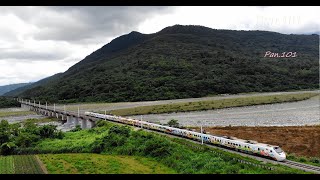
(47, 131)
(302, 159)
(315, 160)
(7, 148)
(121, 130)
(156, 147)
(77, 128)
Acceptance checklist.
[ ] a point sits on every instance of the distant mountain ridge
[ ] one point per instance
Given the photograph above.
(186, 61)
(15, 92)
(10, 87)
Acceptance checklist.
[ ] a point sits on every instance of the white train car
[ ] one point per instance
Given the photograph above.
(247, 146)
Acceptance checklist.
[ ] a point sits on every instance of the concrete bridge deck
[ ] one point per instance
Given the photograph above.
(69, 117)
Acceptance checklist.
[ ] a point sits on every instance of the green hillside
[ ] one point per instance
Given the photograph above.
(187, 61)
(8, 102)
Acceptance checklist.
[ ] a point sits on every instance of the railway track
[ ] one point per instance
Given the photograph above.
(305, 167)
(292, 164)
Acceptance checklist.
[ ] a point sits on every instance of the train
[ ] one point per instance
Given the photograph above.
(246, 146)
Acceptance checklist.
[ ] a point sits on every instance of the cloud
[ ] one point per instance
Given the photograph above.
(81, 24)
(287, 20)
(36, 42)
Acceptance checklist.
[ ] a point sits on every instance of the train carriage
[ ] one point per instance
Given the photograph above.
(248, 146)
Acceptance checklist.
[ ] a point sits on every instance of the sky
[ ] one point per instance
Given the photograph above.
(37, 42)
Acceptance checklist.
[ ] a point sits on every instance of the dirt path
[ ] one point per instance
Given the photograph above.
(43, 167)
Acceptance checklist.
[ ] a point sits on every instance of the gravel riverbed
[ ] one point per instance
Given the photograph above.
(299, 113)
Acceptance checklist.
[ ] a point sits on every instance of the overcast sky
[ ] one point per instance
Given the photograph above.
(37, 42)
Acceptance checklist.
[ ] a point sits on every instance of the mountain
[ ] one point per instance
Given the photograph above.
(42, 82)
(10, 87)
(187, 61)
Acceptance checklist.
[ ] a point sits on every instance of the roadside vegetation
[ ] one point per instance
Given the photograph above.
(212, 104)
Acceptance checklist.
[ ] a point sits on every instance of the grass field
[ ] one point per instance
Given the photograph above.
(16, 113)
(20, 164)
(101, 164)
(44, 120)
(212, 104)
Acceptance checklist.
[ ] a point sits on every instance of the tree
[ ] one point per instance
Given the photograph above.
(4, 131)
(47, 131)
(7, 148)
(173, 123)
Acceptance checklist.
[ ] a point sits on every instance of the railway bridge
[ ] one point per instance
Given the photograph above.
(68, 118)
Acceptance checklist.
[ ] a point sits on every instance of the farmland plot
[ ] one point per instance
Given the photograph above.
(6, 165)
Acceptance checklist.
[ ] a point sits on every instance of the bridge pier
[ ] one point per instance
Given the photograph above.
(92, 124)
(63, 118)
(69, 120)
(83, 124)
(76, 121)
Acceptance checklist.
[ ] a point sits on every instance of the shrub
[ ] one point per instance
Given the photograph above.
(7, 148)
(121, 130)
(77, 128)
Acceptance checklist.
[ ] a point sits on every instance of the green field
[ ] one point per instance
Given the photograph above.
(212, 104)
(19, 164)
(16, 113)
(6, 165)
(101, 164)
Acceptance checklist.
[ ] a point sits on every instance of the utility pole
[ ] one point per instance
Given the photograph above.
(141, 120)
(78, 111)
(201, 135)
(201, 132)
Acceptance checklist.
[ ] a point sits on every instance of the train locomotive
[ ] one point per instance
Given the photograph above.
(247, 146)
